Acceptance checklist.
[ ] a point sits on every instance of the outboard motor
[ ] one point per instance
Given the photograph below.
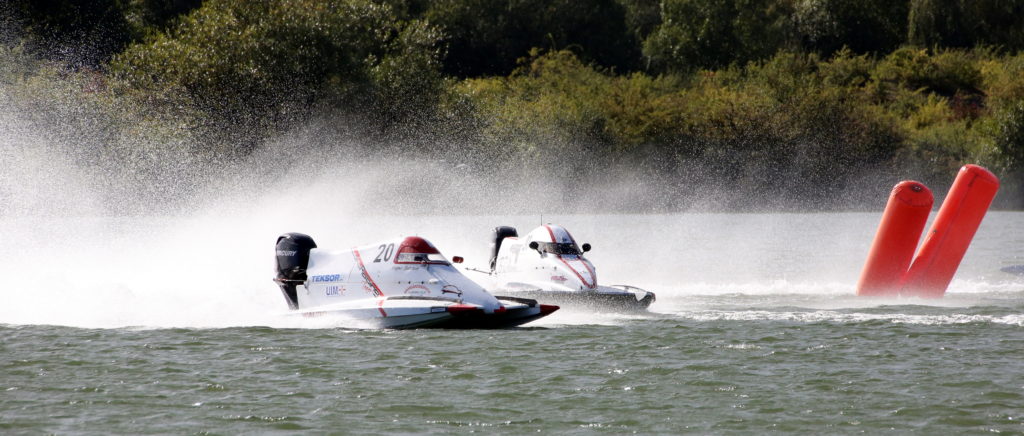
(292, 252)
(500, 233)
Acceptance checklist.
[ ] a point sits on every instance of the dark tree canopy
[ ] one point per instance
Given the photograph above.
(966, 23)
(77, 32)
(869, 26)
(487, 37)
(715, 33)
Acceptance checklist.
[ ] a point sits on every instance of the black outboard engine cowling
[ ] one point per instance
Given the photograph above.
(292, 251)
(500, 233)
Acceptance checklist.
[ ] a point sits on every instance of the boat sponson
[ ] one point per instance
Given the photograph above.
(590, 300)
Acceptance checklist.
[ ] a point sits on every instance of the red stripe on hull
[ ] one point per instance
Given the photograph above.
(369, 279)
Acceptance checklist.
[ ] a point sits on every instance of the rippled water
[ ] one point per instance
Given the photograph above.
(173, 326)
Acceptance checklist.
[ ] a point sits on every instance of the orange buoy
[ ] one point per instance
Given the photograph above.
(946, 242)
(893, 248)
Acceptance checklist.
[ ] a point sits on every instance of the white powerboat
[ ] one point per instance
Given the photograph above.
(402, 283)
(548, 265)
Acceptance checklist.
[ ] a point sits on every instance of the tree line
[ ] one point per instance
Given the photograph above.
(789, 99)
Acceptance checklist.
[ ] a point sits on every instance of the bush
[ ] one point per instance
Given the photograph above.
(847, 70)
(698, 34)
(261, 64)
(1009, 137)
(828, 26)
(488, 37)
(946, 72)
(965, 24)
(139, 158)
(1002, 80)
(546, 107)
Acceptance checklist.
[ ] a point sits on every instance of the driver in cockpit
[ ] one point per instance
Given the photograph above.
(557, 248)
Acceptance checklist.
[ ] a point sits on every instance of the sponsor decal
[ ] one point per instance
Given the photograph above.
(451, 289)
(368, 284)
(417, 290)
(286, 252)
(326, 278)
(334, 291)
(558, 278)
(370, 290)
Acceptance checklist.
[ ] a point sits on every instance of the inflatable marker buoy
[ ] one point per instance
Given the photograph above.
(946, 242)
(904, 218)
(886, 271)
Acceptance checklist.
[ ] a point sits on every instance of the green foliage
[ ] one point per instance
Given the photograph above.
(847, 70)
(254, 63)
(775, 126)
(641, 110)
(872, 26)
(642, 16)
(1005, 133)
(1002, 80)
(948, 72)
(777, 113)
(407, 78)
(147, 17)
(715, 33)
(782, 119)
(131, 148)
(81, 33)
(776, 98)
(966, 23)
(1009, 136)
(546, 107)
(487, 37)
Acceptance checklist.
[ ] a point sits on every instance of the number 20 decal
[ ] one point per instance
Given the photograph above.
(385, 252)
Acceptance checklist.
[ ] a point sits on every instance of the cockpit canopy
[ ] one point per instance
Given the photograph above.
(563, 248)
(415, 249)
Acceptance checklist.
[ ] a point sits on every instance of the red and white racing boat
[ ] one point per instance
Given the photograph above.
(403, 283)
(548, 265)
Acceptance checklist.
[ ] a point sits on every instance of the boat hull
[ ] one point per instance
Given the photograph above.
(605, 298)
(409, 313)
(505, 319)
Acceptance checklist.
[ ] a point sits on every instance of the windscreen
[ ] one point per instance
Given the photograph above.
(569, 248)
(431, 258)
